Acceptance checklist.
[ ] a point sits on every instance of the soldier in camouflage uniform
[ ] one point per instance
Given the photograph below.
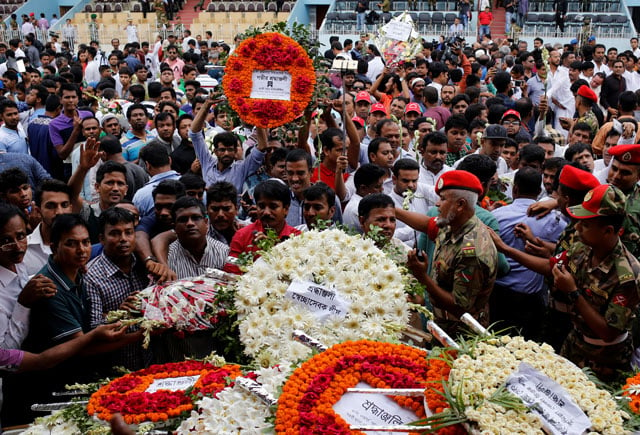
(465, 261)
(601, 278)
(624, 173)
(585, 100)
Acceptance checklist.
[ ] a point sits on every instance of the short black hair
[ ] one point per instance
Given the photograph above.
(169, 187)
(299, 155)
(192, 181)
(318, 190)
(576, 148)
(63, 223)
(532, 153)
(375, 200)
(405, 165)
(113, 216)
(480, 165)
(8, 212)
(273, 189)
(134, 107)
(155, 154)
(12, 178)
(108, 167)
(326, 137)
(554, 163)
(222, 191)
(226, 138)
(7, 104)
(110, 144)
(187, 202)
(528, 181)
(367, 174)
(456, 121)
(50, 185)
(374, 145)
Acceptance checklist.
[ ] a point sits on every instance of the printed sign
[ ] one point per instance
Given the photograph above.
(398, 30)
(271, 85)
(173, 384)
(549, 401)
(321, 301)
(372, 409)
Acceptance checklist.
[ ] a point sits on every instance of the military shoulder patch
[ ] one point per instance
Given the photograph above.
(469, 251)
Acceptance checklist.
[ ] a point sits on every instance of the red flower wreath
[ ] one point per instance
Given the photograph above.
(268, 52)
(127, 395)
(306, 404)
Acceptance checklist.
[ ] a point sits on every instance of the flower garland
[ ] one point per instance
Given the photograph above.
(479, 374)
(353, 267)
(306, 403)
(234, 410)
(632, 390)
(128, 394)
(268, 52)
(186, 305)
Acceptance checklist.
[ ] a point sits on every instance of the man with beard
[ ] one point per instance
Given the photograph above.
(493, 139)
(465, 261)
(115, 275)
(434, 151)
(136, 138)
(272, 200)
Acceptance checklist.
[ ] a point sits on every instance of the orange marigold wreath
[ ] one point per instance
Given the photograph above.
(127, 395)
(306, 404)
(268, 52)
(632, 391)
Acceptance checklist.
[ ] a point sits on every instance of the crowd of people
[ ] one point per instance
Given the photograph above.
(506, 175)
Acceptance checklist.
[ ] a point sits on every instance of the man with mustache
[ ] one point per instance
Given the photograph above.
(273, 199)
(433, 148)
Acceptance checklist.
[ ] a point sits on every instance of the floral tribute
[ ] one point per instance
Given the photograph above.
(185, 305)
(478, 376)
(235, 410)
(631, 390)
(128, 394)
(268, 52)
(437, 377)
(306, 403)
(351, 267)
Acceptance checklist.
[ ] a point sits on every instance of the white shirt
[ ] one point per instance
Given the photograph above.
(603, 68)
(14, 317)
(428, 177)
(185, 43)
(561, 91)
(28, 28)
(37, 252)
(350, 213)
(425, 198)
(92, 72)
(502, 169)
(633, 80)
(132, 33)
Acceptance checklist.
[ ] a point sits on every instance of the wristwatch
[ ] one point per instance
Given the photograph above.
(574, 295)
(150, 257)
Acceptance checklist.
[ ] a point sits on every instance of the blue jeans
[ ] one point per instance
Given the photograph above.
(465, 20)
(360, 16)
(507, 25)
(484, 30)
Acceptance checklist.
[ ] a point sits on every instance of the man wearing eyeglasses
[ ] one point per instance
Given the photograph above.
(195, 250)
(512, 122)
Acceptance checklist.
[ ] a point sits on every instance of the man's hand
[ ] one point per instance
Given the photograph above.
(537, 248)
(417, 266)
(341, 163)
(38, 287)
(195, 166)
(562, 279)
(542, 208)
(77, 122)
(89, 154)
(161, 272)
(524, 232)
(501, 246)
(110, 332)
(130, 303)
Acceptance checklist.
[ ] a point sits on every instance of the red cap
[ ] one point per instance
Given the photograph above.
(577, 179)
(363, 96)
(32, 14)
(511, 112)
(586, 92)
(378, 107)
(459, 180)
(413, 107)
(357, 119)
(626, 153)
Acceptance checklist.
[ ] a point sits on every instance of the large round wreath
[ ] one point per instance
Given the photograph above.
(308, 397)
(268, 52)
(127, 395)
(360, 272)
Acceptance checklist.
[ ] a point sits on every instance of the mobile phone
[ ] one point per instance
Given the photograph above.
(246, 197)
(518, 83)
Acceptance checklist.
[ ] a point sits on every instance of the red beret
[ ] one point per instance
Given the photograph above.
(577, 179)
(586, 92)
(626, 153)
(459, 180)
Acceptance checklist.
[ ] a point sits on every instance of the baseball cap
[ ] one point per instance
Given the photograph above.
(363, 96)
(358, 120)
(378, 107)
(413, 107)
(604, 200)
(511, 112)
(495, 131)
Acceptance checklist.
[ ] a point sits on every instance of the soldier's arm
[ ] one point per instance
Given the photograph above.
(537, 264)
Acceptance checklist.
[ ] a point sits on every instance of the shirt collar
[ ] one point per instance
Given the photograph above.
(35, 238)
(455, 237)
(111, 268)
(60, 277)
(6, 276)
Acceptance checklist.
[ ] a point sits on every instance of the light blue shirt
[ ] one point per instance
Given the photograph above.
(143, 199)
(235, 174)
(12, 141)
(548, 228)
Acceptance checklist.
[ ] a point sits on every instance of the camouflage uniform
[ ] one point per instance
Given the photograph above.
(612, 289)
(590, 119)
(557, 324)
(631, 225)
(465, 264)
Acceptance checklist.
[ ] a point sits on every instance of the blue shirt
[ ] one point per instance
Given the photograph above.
(235, 174)
(41, 146)
(143, 199)
(28, 164)
(548, 228)
(13, 141)
(131, 145)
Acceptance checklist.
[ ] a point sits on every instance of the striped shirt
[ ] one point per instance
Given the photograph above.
(185, 265)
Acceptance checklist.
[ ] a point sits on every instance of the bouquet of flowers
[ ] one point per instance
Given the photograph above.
(334, 286)
(394, 50)
(185, 305)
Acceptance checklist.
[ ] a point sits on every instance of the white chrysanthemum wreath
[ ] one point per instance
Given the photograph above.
(480, 375)
(234, 410)
(351, 273)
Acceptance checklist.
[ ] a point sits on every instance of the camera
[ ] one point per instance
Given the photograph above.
(518, 83)
(453, 42)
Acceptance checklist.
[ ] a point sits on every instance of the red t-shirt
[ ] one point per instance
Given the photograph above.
(327, 176)
(485, 18)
